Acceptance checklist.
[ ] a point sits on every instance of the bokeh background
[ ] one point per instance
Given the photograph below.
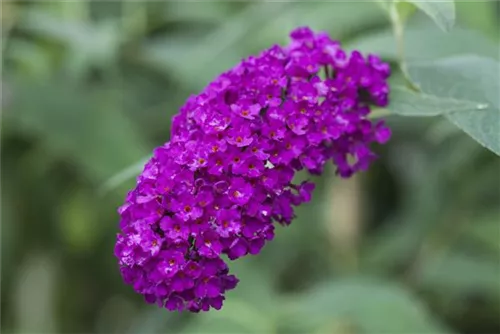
(88, 90)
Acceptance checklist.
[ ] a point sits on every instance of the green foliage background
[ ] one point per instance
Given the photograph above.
(88, 89)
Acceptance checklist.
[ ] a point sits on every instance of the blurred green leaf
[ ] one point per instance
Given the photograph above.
(237, 316)
(339, 18)
(393, 245)
(405, 9)
(465, 77)
(257, 287)
(34, 298)
(181, 55)
(369, 306)
(442, 12)
(406, 102)
(442, 130)
(485, 232)
(79, 226)
(195, 59)
(10, 231)
(31, 58)
(384, 4)
(424, 43)
(88, 44)
(134, 18)
(123, 176)
(155, 320)
(479, 15)
(210, 12)
(80, 127)
(461, 274)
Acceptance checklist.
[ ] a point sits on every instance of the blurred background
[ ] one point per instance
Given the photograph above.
(88, 90)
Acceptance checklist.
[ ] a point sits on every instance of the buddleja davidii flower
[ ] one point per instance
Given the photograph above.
(344, 87)
(155, 248)
(227, 173)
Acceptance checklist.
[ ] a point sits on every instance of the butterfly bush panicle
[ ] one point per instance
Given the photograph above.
(227, 173)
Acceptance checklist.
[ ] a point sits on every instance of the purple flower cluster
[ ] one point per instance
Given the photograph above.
(227, 173)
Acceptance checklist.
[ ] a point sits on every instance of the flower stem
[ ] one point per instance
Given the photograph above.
(398, 29)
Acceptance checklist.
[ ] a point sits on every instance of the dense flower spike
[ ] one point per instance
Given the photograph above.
(226, 175)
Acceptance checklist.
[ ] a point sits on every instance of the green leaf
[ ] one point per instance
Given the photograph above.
(181, 55)
(442, 12)
(237, 316)
(460, 273)
(248, 31)
(384, 4)
(400, 236)
(78, 225)
(484, 232)
(155, 320)
(30, 57)
(82, 127)
(424, 43)
(405, 10)
(123, 176)
(366, 306)
(34, 293)
(466, 77)
(89, 44)
(205, 12)
(406, 102)
(256, 287)
(480, 16)
(10, 233)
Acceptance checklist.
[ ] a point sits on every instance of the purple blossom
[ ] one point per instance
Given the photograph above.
(240, 191)
(174, 229)
(240, 135)
(225, 178)
(246, 109)
(208, 287)
(181, 282)
(208, 244)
